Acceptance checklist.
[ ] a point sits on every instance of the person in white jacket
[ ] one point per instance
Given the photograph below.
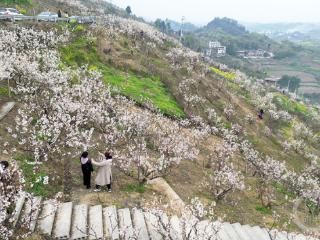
(104, 172)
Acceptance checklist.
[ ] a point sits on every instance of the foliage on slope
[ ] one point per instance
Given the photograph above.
(83, 51)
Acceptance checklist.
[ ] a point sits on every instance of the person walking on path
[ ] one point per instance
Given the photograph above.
(104, 172)
(86, 167)
(59, 13)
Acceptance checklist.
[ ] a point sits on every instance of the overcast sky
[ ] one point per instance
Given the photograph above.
(203, 11)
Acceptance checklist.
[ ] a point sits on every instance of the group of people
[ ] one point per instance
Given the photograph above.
(104, 171)
(61, 14)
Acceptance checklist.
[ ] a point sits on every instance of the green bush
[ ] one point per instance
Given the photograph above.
(79, 28)
(21, 10)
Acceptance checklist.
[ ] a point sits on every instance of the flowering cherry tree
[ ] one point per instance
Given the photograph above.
(11, 183)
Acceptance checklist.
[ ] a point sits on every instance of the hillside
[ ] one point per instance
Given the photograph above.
(187, 26)
(287, 31)
(293, 59)
(120, 84)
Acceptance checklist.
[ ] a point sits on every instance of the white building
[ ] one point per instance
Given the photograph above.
(221, 51)
(216, 49)
(214, 44)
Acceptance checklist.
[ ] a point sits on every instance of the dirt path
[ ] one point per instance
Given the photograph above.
(160, 185)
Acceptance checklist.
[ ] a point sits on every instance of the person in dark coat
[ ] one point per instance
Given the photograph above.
(86, 167)
(59, 13)
(4, 164)
(260, 115)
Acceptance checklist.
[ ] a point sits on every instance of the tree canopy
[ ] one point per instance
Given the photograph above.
(128, 10)
(290, 82)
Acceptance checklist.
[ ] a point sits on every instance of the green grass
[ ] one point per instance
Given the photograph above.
(291, 106)
(287, 131)
(264, 210)
(38, 188)
(283, 190)
(21, 2)
(239, 90)
(228, 125)
(139, 188)
(169, 44)
(83, 51)
(4, 91)
(253, 139)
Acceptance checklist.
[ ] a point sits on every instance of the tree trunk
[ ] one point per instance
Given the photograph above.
(67, 179)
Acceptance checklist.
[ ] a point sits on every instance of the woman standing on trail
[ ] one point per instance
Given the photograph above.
(86, 167)
(104, 173)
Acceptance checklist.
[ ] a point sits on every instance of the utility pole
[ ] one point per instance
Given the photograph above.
(288, 85)
(181, 29)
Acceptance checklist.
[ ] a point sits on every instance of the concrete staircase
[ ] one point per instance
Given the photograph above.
(70, 221)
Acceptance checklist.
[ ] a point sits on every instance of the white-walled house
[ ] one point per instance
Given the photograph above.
(216, 49)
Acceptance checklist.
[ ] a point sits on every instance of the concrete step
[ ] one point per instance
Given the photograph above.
(253, 235)
(125, 224)
(176, 228)
(164, 224)
(261, 232)
(17, 211)
(79, 223)
(31, 212)
(206, 230)
(190, 223)
(285, 235)
(227, 227)
(301, 237)
(95, 223)
(111, 223)
(221, 234)
(103, 224)
(46, 219)
(280, 236)
(295, 236)
(240, 231)
(63, 221)
(152, 222)
(139, 224)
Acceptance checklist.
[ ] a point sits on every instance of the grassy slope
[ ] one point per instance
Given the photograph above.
(83, 51)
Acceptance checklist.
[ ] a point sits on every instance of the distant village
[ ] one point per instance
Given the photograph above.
(260, 53)
(216, 50)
